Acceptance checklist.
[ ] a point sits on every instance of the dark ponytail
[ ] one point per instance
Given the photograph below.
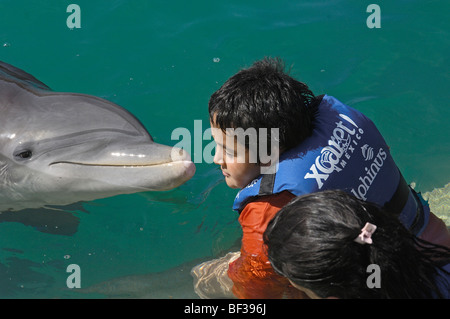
(311, 241)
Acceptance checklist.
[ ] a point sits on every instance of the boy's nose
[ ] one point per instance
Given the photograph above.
(218, 157)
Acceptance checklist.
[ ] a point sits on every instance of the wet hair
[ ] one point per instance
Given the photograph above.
(265, 96)
(311, 242)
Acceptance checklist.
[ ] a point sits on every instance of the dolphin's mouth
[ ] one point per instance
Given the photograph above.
(107, 165)
(115, 165)
(146, 155)
(173, 173)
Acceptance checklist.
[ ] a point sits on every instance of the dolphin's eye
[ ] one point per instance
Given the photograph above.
(24, 154)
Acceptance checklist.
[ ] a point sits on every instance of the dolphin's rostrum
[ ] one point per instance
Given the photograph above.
(60, 148)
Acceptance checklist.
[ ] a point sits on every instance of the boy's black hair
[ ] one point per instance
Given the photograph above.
(265, 96)
(311, 242)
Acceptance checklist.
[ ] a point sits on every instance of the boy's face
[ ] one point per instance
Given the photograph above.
(233, 159)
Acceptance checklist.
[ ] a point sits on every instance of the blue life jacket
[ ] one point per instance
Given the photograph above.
(345, 151)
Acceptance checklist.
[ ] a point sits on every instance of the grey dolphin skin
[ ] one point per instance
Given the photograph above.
(61, 148)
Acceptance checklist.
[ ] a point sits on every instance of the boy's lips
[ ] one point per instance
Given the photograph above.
(225, 174)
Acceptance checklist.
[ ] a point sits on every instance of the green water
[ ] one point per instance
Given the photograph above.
(163, 59)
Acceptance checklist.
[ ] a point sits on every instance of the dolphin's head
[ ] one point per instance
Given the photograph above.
(60, 148)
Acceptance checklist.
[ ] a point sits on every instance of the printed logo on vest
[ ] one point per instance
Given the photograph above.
(252, 183)
(371, 174)
(367, 152)
(340, 148)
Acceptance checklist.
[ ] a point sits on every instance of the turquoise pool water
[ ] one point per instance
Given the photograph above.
(162, 60)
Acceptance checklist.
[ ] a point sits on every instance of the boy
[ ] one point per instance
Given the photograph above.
(323, 144)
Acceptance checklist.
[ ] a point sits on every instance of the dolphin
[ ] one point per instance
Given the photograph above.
(61, 148)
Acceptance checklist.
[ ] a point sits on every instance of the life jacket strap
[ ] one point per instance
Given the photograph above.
(419, 220)
(266, 185)
(398, 201)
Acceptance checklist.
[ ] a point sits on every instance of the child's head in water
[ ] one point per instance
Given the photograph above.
(261, 111)
(311, 241)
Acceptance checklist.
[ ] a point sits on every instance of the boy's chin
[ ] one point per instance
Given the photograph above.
(235, 184)
(232, 183)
